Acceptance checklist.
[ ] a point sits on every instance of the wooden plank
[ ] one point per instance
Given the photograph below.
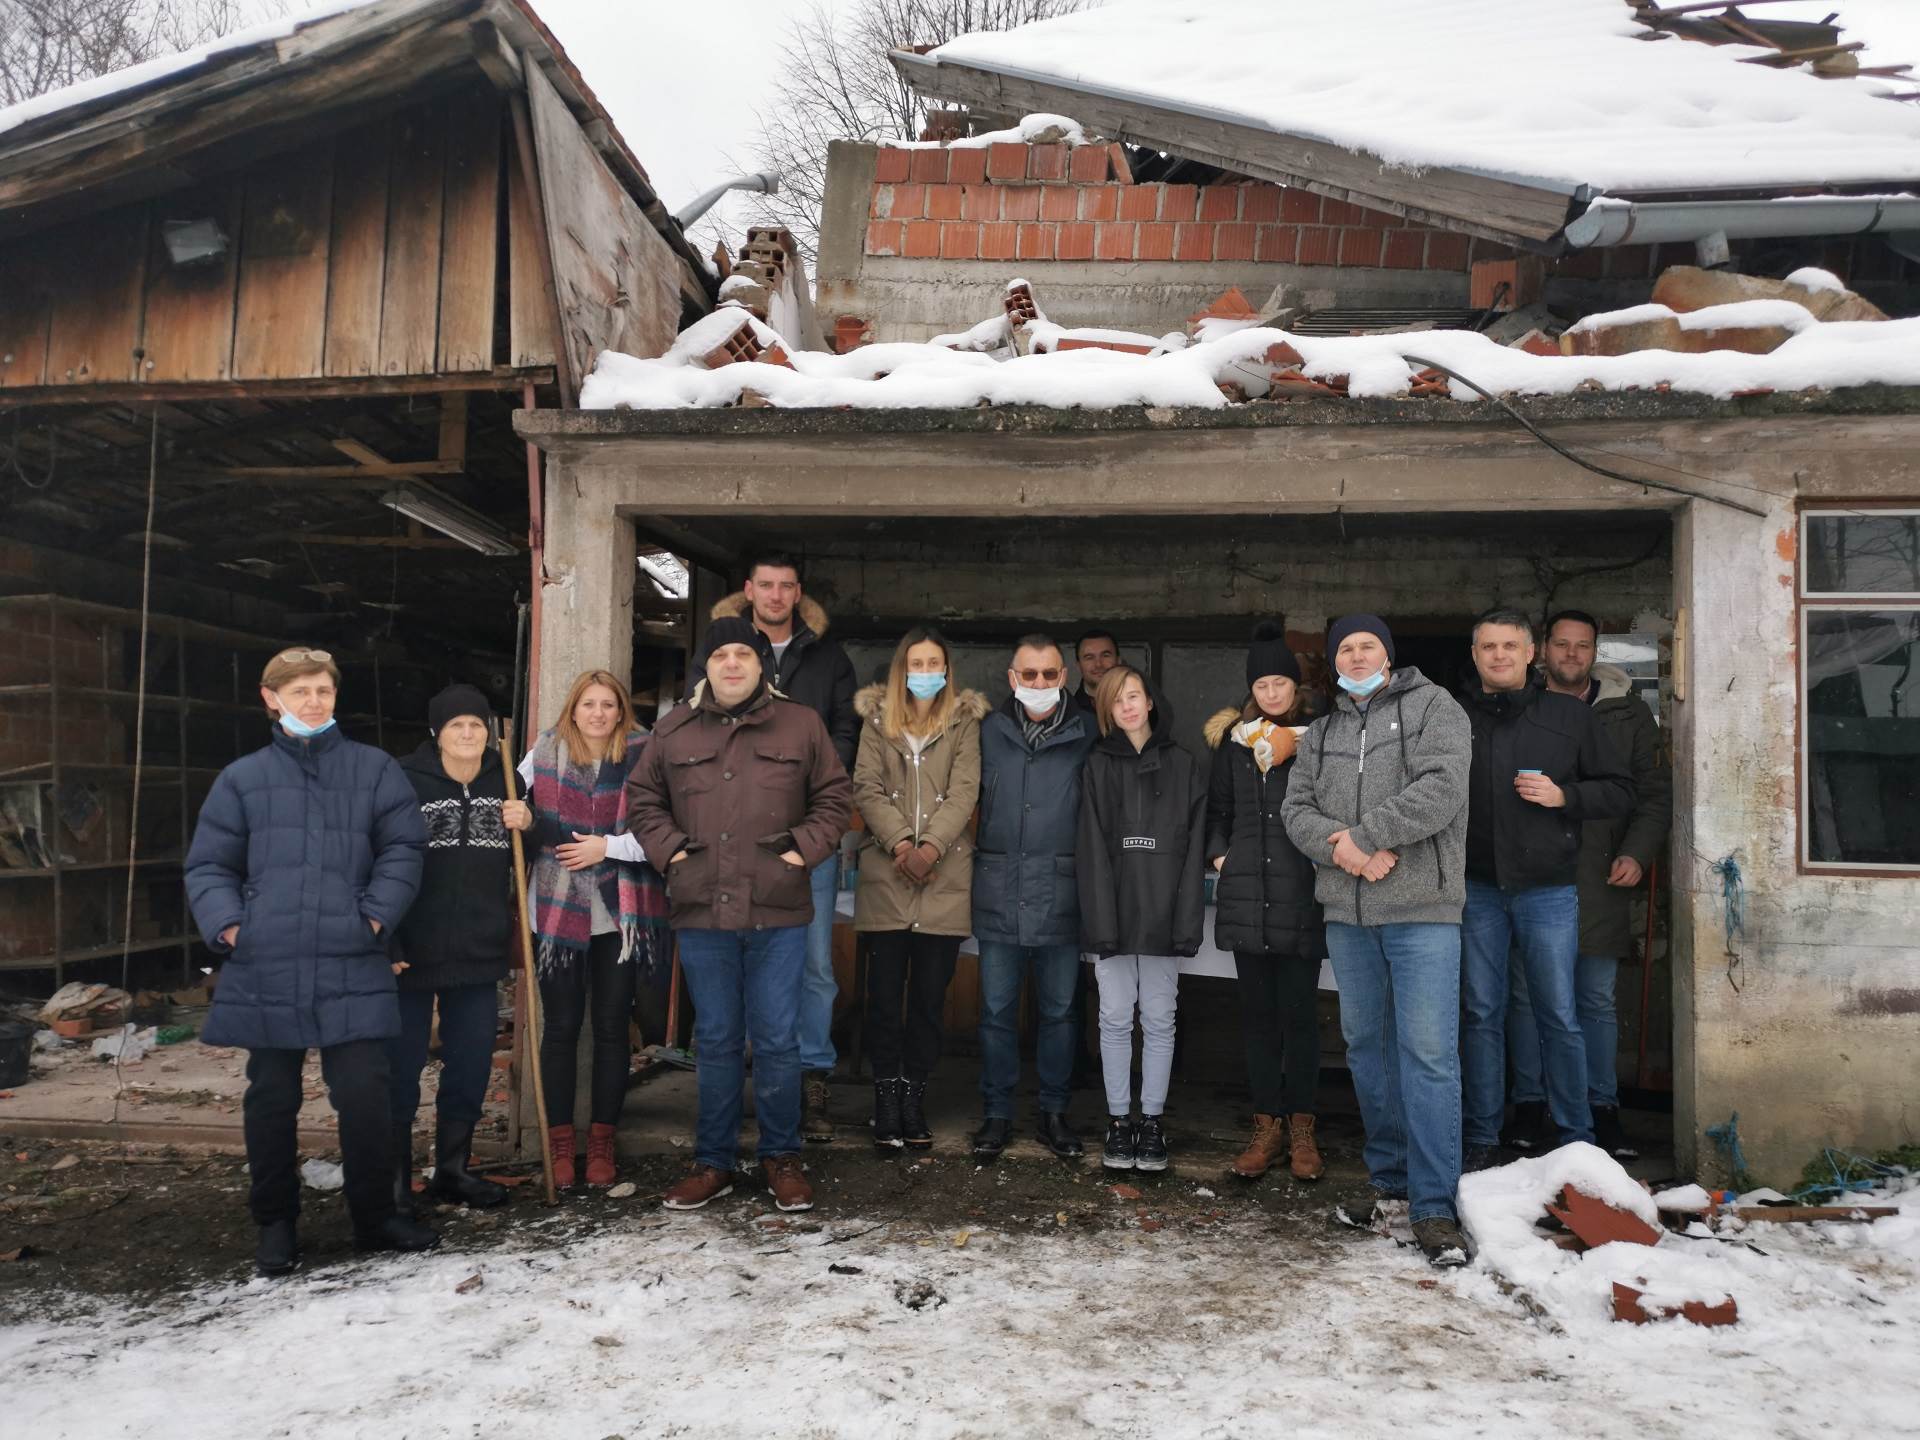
(26, 313)
(98, 273)
(530, 338)
(618, 281)
(410, 305)
(190, 308)
(470, 252)
(357, 263)
(501, 379)
(280, 326)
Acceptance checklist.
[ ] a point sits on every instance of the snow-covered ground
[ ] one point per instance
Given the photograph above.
(717, 1325)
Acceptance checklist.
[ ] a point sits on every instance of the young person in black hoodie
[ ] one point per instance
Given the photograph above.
(1142, 842)
(452, 948)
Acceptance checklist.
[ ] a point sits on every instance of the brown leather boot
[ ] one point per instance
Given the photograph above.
(560, 1146)
(600, 1156)
(1269, 1143)
(788, 1182)
(1307, 1164)
(816, 1119)
(699, 1185)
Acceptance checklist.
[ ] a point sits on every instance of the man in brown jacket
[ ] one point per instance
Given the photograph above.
(738, 795)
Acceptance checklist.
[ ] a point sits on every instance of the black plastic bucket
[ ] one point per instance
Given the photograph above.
(16, 1049)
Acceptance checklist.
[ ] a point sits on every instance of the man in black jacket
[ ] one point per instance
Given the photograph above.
(805, 666)
(1541, 767)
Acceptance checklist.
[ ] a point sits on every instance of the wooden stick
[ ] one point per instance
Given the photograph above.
(1810, 1214)
(533, 987)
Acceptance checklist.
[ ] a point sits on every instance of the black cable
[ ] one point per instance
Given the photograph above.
(1561, 450)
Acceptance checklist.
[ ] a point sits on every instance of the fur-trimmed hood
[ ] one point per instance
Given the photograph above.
(870, 699)
(1614, 683)
(810, 613)
(1217, 728)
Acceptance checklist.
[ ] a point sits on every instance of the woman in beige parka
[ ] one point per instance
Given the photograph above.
(916, 782)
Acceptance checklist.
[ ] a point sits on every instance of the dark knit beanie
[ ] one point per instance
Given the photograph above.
(1358, 625)
(455, 701)
(1269, 653)
(731, 630)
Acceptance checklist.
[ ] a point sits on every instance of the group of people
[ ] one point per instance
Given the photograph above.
(1466, 862)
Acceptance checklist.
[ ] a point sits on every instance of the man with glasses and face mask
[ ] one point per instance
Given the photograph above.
(1026, 905)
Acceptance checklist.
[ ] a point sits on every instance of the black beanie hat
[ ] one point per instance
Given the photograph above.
(455, 701)
(731, 630)
(1269, 653)
(1357, 625)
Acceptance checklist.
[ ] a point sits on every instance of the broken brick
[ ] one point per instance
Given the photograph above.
(1598, 1223)
(1630, 1305)
(1231, 304)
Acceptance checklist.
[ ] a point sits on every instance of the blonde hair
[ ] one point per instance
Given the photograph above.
(1108, 691)
(580, 749)
(291, 664)
(896, 713)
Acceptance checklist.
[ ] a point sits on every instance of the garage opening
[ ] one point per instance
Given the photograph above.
(1181, 593)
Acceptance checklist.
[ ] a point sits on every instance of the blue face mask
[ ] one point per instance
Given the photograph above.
(299, 728)
(1361, 689)
(924, 685)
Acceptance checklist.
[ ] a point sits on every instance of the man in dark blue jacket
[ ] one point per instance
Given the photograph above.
(1026, 905)
(305, 851)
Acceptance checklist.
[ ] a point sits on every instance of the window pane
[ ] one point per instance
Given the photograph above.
(1867, 554)
(1863, 736)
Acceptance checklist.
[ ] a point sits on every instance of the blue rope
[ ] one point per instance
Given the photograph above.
(1727, 1137)
(1733, 896)
(1840, 1162)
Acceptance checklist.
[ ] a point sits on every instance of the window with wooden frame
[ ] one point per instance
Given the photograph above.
(1859, 612)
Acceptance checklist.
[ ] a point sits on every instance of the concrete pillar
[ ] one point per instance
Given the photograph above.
(586, 618)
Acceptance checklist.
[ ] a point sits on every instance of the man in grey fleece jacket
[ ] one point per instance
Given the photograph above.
(1378, 801)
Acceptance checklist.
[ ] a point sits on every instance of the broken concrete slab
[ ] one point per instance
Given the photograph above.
(1687, 288)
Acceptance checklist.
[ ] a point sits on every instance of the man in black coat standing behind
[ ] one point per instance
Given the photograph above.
(805, 666)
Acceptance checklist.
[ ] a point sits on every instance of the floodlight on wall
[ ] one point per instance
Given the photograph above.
(450, 518)
(193, 242)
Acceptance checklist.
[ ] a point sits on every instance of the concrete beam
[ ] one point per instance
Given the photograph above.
(586, 618)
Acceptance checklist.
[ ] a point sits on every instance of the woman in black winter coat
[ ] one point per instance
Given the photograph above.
(1264, 910)
(453, 947)
(1143, 811)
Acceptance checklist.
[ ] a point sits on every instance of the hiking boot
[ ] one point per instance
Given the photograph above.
(1057, 1135)
(396, 1232)
(886, 1114)
(992, 1136)
(452, 1182)
(1480, 1157)
(600, 1169)
(1442, 1242)
(788, 1183)
(403, 1168)
(1305, 1163)
(816, 1119)
(1269, 1143)
(278, 1252)
(1149, 1144)
(913, 1115)
(1609, 1136)
(699, 1185)
(1381, 1214)
(1530, 1129)
(560, 1147)
(1117, 1152)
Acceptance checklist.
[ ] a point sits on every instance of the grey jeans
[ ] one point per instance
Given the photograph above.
(1152, 984)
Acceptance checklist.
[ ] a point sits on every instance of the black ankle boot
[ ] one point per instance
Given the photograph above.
(913, 1115)
(278, 1252)
(396, 1232)
(403, 1168)
(452, 1182)
(886, 1113)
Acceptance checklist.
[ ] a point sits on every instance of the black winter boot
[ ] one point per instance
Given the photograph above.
(886, 1113)
(452, 1181)
(1057, 1135)
(396, 1232)
(278, 1252)
(403, 1168)
(1609, 1136)
(992, 1136)
(913, 1115)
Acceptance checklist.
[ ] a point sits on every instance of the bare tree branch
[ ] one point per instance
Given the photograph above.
(48, 44)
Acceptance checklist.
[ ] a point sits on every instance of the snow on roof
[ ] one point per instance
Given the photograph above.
(1552, 93)
(164, 67)
(931, 376)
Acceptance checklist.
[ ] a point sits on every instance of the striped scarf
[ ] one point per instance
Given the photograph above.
(590, 800)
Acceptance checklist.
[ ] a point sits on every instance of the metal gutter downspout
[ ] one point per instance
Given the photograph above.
(1610, 222)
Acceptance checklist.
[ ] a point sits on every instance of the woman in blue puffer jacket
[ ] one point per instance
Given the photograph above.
(305, 851)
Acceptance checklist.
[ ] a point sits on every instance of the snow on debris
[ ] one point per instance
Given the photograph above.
(1560, 94)
(1032, 130)
(1738, 314)
(164, 67)
(1812, 277)
(901, 375)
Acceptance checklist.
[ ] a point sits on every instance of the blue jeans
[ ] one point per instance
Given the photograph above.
(1400, 1013)
(817, 989)
(1544, 924)
(469, 1015)
(1593, 982)
(1002, 968)
(745, 984)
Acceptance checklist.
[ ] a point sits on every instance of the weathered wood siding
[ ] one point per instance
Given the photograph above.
(373, 252)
